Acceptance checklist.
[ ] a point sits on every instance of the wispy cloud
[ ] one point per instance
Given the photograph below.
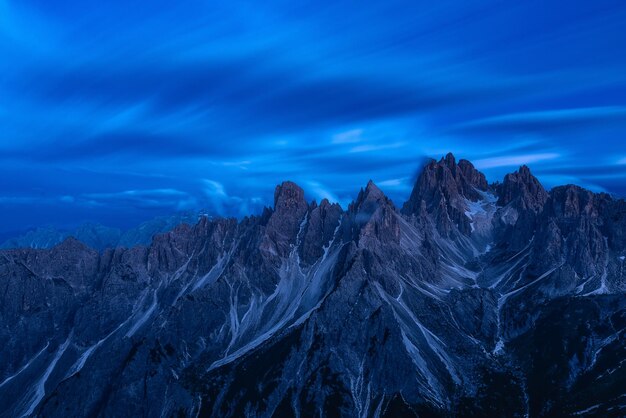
(550, 181)
(377, 147)
(348, 137)
(394, 182)
(513, 160)
(218, 201)
(149, 198)
(560, 115)
(105, 106)
(319, 192)
(546, 120)
(152, 193)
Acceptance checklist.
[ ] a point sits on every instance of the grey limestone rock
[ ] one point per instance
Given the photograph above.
(473, 300)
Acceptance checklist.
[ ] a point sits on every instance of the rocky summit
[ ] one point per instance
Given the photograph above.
(469, 300)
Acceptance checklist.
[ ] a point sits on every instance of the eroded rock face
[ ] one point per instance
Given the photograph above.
(321, 229)
(458, 305)
(521, 199)
(285, 222)
(444, 188)
(523, 189)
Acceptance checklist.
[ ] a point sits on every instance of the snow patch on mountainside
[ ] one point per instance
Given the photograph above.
(25, 366)
(297, 294)
(38, 391)
(481, 212)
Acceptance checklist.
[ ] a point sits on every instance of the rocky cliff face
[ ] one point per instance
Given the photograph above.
(473, 300)
(448, 191)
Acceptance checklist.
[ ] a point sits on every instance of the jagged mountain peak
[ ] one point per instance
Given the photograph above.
(462, 171)
(449, 160)
(444, 189)
(371, 185)
(472, 175)
(445, 179)
(288, 195)
(369, 199)
(572, 201)
(524, 170)
(362, 312)
(372, 214)
(285, 222)
(523, 188)
(72, 244)
(371, 193)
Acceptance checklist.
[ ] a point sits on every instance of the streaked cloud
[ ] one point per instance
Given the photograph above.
(393, 182)
(114, 112)
(557, 118)
(377, 147)
(348, 137)
(513, 160)
(221, 203)
(319, 191)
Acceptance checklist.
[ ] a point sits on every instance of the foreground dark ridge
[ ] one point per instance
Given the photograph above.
(471, 300)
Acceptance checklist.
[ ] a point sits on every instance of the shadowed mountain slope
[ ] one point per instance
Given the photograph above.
(472, 300)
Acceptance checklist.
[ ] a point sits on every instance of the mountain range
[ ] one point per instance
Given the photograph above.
(471, 300)
(99, 236)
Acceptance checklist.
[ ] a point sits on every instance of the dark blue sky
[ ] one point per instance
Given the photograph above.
(116, 111)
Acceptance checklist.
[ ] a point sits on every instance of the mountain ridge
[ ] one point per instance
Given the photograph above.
(439, 308)
(99, 236)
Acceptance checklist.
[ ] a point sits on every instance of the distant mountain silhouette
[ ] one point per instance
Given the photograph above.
(99, 236)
